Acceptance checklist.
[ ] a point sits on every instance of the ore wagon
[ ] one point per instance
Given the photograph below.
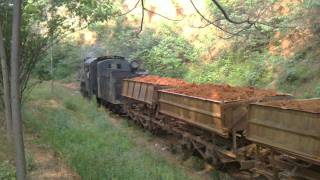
(141, 95)
(219, 116)
(214, 125)
(291, 128)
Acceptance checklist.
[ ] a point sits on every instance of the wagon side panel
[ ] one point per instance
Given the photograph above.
(139, 91)
(291, 131)
(205, 114)
(125, 88)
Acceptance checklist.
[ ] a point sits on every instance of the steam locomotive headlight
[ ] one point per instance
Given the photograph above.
(134, 64)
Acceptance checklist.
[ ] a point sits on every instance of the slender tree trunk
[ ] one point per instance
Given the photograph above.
(6, 88)
(51, 49)
(51, 65)
(15, 92)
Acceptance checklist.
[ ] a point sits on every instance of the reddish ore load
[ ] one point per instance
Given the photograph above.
(145, 88)
(162, 81)
(223, 92)
(308, 106)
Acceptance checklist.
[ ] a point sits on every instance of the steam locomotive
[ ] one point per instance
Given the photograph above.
(101, 77)
(253, 137)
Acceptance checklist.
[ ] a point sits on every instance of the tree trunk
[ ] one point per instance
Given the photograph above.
(15, 92)
(6, 88)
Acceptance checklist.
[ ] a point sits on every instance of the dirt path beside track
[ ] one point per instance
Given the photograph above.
(46, 164)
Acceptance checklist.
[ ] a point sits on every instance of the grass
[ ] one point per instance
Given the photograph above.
(7, 170)
(91, 145)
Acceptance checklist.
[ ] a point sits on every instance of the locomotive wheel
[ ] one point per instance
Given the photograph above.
(99, 103)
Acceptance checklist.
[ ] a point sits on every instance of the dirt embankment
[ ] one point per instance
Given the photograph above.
(162, 81)
(223, 92)
(303, 105)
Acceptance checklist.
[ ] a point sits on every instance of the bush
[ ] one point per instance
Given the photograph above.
(235, 69)
(66, 61)
(170, 57)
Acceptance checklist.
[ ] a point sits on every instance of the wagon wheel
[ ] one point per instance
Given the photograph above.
(186, 147)
(245, 175)
(117, 109)
(212, 157)
(143, 123)
(199, 150)
(147, 124)
(134, 118)
(215, 158)
(152, 128)
(156, 129)
(261, 177)
(130, 115)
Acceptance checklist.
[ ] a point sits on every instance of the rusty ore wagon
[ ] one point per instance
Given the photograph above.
(141, 99)
(216, 128)
(293, 136)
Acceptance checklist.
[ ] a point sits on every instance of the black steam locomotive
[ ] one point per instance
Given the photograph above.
(102, 77)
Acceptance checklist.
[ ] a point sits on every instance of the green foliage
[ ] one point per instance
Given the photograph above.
(170, 57)
(164, 52)
(301, 69)
(7, 171)
(311, 3)
(119, 39)
(31, 164)
(66, 61)
(89, 10)
(147, 40)
(235, 69)
(317, 91)
(43, 24)
(245, 62)
(70, 105)
(88, 142)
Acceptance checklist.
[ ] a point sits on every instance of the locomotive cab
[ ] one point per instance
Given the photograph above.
(88, 77)
(103, 77)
